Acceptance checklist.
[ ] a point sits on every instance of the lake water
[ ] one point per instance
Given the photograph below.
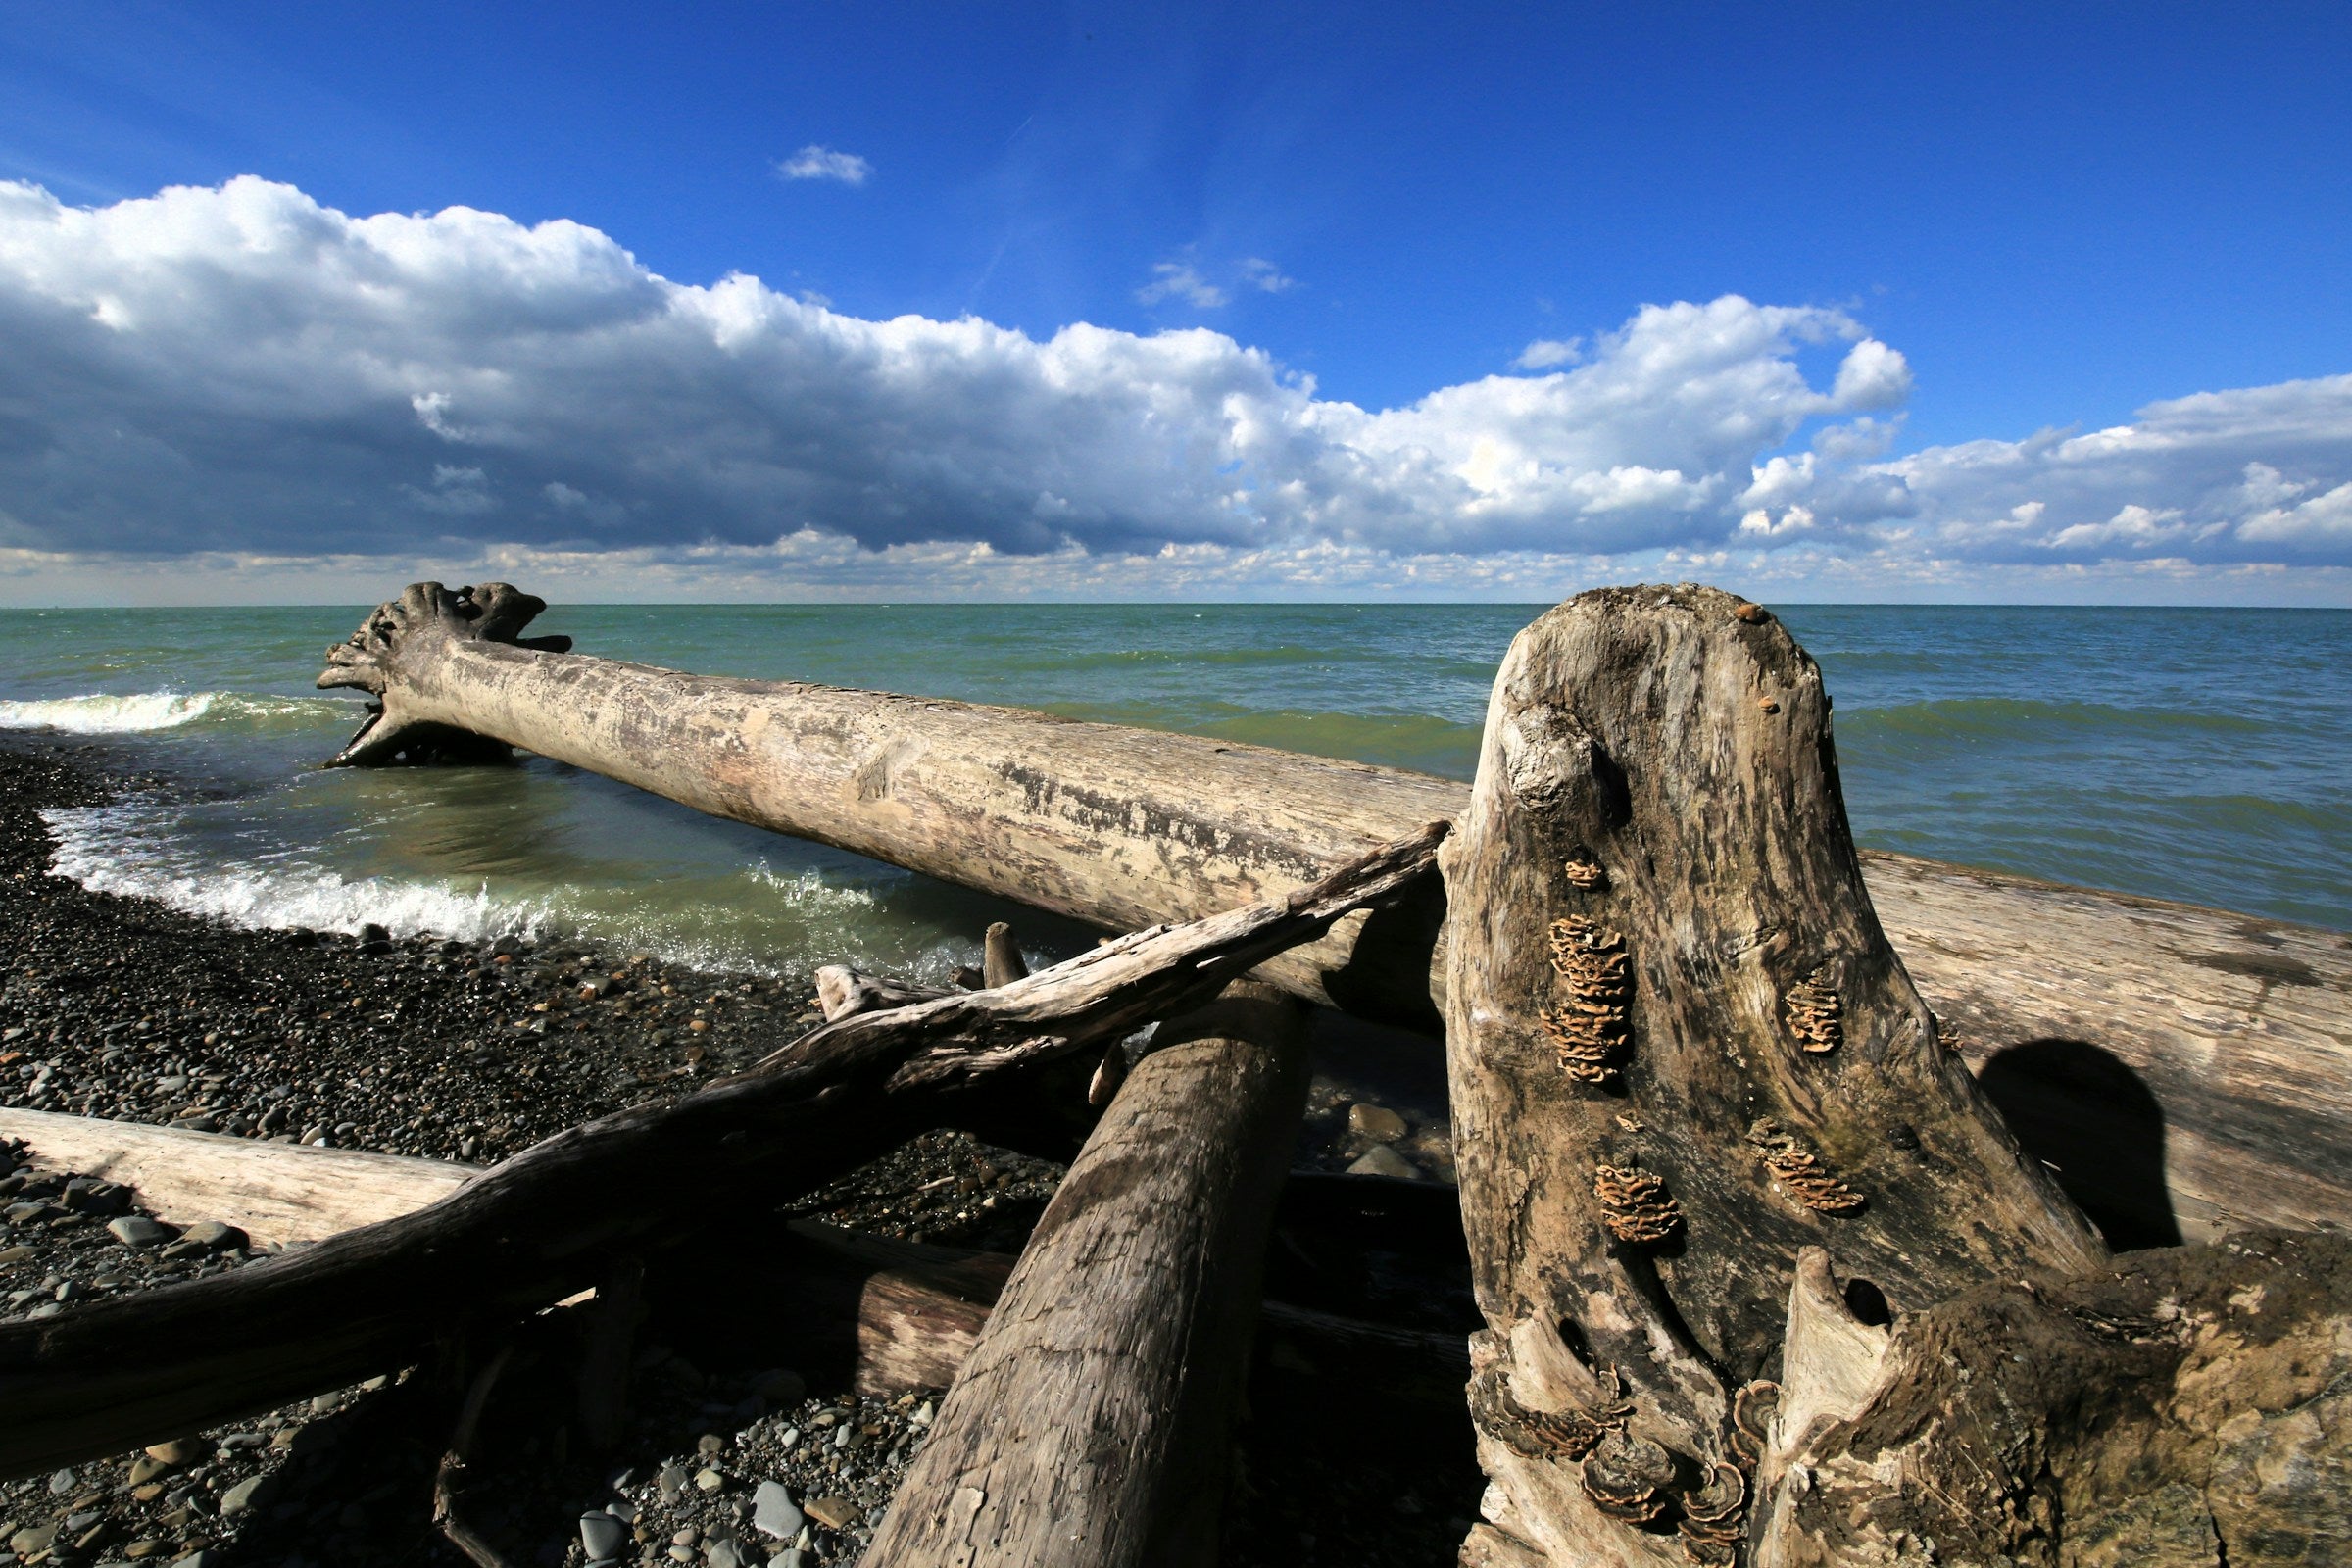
(2199, 755)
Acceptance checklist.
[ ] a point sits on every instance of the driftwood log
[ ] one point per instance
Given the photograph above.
(2187, 1070)
(1092, 1423)
(1120, 828)
(275, 1193)
(888, 1316)
(552, 1220)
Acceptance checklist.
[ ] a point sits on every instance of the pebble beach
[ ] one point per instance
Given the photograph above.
(469, 1052)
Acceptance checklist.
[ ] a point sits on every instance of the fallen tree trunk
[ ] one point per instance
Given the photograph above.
(1117, 827)
(902, 1315)
(2187, 1070)
(1092, 1423)
(2077, 1001)
(1679, 1049)
(540, 1226)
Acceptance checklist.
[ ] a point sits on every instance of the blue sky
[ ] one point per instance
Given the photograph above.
(1399, 224)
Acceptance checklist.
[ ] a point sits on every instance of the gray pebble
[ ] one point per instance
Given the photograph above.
(240, 1496)
(602, 1535)
(32, 1541)
(774, 1511)
(138, 1230)
(212, 1233)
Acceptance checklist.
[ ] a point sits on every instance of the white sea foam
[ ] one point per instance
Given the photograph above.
(108, 713)
(100, 714)
(808, 893)
(130, 850)
(142, 849)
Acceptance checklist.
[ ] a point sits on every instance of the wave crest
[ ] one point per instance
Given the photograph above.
(137, 713)
(121, 850)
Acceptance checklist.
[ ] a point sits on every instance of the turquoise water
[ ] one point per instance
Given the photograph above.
(2196, 754)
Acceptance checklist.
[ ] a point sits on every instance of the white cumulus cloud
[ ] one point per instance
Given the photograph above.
(1549, 353)
(240, 375)
(813, 161)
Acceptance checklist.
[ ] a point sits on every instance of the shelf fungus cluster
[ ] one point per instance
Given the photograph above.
(1629, 1479)
(1714, 1517)
(1583, 874)
(1588, 1025)
(1635, 1204)
(1568, 1435)
(1812, 1011)
(1799, 1171)
(1753, 1407)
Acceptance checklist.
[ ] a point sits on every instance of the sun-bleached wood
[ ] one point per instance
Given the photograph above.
(275, 1193)
(1680, 1052)
(1122, 828)
(2236, 1023)
(533, 1230)
(1091, 1422)
(2240, 1029)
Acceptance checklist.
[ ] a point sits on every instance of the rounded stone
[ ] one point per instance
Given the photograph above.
(602, 1535)
(1381, 1161)
(138, 1230)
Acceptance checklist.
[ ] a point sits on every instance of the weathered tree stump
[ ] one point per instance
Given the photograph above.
(1091, 1424)
(1680, 1051)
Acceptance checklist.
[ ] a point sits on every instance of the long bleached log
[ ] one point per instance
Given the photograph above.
(904, 1313)
(2080, 1003)
(547, 1223)
(1090, 1425)
(1122, 828)
(275, 1193)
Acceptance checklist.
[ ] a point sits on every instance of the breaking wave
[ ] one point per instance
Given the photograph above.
(107, 713)
(128, 849)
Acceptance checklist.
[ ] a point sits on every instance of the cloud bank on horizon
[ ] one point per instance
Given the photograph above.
(240, 379)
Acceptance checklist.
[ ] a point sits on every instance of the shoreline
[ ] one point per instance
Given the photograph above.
(118, 1006)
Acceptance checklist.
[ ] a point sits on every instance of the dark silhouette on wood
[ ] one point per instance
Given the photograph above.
(2087, 1116)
